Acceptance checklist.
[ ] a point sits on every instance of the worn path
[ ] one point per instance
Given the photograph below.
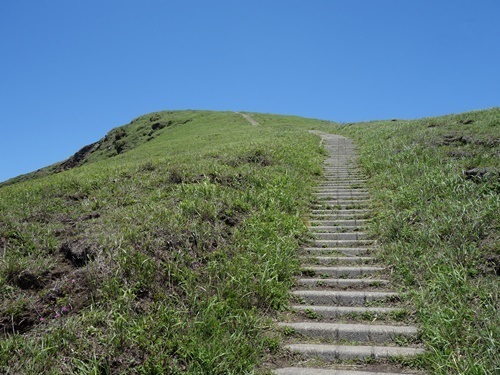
(249, 119)
(346, 320)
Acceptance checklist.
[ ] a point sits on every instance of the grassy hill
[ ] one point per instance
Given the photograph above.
(170, 242)
(437, 182)
(163, 255)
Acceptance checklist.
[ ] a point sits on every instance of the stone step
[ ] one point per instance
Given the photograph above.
(343, 172)
(321, 197)
(332, 181)
(344, 297)
(343, 175)
(341, 283)
(340, 195)
(331, 260)
(357, 189)
(339, 236)
(338, 199)
(336, 180)
(343, 243)
(339, 223)
(335, 229)
(333, 214)
(341, 271)
(342, 182)
(335, 208)
(377, 333)
(349, 251)
(342, 202)
(340, 190)
(345, 212)
(335, 201)
(346, 167)
(342, 186)
(338, 311)
(345, 178)
(342, 169)
(328, 371)
(338, 186)
(344, 352)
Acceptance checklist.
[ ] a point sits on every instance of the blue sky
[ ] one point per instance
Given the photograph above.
(72, 70)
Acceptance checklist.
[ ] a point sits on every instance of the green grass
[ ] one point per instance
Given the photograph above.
(437, 184)
(169, 246)
(165, 257)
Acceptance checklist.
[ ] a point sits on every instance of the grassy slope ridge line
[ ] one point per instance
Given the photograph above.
(118, 141)
(437, 182)
(162, 258)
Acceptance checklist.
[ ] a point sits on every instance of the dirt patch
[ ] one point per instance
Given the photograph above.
(3, 245)
(78, 252)
(77, 197)
(466, 122)
(29, 280)
(455, 139)
(481, 174)
(176, 175)
(60, 292)
(490, 264)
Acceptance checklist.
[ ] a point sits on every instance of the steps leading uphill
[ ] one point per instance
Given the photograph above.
(346, 320)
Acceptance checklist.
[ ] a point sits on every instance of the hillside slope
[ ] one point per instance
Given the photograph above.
(118, 141)
(170, 242)
(163, 256)
(437, 181)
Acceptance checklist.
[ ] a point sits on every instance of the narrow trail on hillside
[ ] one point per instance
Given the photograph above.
(249, 119)
(346, 320)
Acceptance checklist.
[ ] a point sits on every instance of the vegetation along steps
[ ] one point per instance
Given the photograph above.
(346, 319)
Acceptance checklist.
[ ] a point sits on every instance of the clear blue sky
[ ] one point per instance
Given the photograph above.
(72, 70)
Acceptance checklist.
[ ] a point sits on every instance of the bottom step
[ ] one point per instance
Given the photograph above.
(336, 352)
(319, 371)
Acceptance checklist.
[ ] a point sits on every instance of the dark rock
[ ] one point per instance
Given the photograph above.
(77, 252)
(155, 117)
(77, 159)
(158, 125)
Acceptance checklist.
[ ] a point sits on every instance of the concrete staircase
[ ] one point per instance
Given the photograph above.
(346, 319)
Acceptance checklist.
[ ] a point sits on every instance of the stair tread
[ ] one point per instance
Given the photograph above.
(324, 371)
(344, 292)
(346, 309)
(347, 351)
(350, 327)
